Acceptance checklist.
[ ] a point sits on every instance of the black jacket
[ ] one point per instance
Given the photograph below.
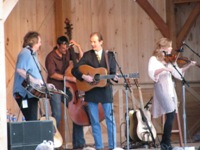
(97, 94)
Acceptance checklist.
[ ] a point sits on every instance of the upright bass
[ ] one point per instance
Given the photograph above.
(77, 107)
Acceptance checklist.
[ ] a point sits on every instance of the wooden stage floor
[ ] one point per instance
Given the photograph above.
(188, 146)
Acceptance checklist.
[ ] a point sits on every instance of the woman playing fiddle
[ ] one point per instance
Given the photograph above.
(165, 98)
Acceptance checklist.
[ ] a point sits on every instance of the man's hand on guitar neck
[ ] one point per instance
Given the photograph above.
(116, 78)
(88, 78)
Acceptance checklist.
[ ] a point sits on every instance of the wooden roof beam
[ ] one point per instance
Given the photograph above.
(188, 24)
(170, 19)
(159, 22)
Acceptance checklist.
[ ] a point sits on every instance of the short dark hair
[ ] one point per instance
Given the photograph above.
(62, 40)
(31, 38)
(98, 34)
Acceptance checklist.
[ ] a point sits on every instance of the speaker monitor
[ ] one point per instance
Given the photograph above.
(29, 134)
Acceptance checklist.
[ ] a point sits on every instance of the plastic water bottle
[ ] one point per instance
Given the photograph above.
(14, 118)
(8, 116)
(23, 119)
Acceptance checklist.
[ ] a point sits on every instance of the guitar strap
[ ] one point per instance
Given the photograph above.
(107, 63)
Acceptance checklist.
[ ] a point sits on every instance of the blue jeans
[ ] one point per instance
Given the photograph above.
(55, 103)
(96, 128)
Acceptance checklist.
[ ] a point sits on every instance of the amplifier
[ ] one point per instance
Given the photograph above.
(29, 134)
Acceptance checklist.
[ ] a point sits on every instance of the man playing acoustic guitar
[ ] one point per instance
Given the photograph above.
(97, 58)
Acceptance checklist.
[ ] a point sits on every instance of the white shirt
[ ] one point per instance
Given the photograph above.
(99, 53)
(165, 98)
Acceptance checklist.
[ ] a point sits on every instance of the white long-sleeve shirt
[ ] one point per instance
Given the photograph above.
(165, 98)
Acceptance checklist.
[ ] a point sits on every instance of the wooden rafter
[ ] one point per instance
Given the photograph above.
(159, 22)
(168, 29)
(188, 24)
(170, 19)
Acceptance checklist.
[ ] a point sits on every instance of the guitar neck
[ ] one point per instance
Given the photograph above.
(141, 99)
(119, 76)
(140, 94)
(133, 99)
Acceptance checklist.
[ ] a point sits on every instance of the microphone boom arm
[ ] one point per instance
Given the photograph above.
(192, 50)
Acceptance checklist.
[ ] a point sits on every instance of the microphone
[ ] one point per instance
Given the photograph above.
(180, 50)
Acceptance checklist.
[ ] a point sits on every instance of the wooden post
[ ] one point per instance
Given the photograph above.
(3, 121)
(6, 7)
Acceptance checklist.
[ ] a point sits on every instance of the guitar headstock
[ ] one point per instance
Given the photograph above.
(136, 83)
(68, 28)
(128, 82)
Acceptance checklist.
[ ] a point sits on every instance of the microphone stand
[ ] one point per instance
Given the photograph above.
(183, 97)
(65, 116)
(126, 89)
(47, 93)
(192, 50)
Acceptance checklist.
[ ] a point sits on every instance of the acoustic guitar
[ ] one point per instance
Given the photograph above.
(100, 77)
(145, 129)
(132, 116)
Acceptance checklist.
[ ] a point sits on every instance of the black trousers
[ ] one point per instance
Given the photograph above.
(168, 128)
(30, 113)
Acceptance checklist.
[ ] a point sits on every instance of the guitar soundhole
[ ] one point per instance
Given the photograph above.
(96, 79)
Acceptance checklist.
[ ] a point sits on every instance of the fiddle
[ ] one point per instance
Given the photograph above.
(181, 61)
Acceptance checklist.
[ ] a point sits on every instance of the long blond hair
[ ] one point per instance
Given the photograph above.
(161, 44)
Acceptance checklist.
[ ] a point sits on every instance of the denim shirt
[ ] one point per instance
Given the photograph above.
(26, 62)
